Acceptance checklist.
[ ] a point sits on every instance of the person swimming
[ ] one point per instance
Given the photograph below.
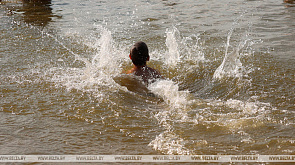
(139, 54)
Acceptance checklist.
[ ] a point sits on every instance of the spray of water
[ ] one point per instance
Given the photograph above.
(231, 65)
(98, 71)
(180, 107)
(172, 40)
(104, 64)
(169, 91)
(178, 104)
(183, 108)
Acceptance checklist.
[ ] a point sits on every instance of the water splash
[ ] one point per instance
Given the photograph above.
(178, 104)
(231, 65)
(169, 91)
(192, 48)
(104, 64)
(172, 40)
(105, 55)
(98, 71)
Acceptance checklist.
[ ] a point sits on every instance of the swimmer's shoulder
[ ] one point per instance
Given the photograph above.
(128, 71)
(155, 73)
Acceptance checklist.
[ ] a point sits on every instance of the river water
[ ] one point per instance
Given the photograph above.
(229, 84)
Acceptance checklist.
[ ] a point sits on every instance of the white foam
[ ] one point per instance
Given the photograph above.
(169, 91)
(170, 143)
(235, 114)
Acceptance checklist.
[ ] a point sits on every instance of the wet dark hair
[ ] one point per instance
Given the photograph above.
(139, 53)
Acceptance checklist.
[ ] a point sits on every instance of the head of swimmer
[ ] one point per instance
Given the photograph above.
(139, 54)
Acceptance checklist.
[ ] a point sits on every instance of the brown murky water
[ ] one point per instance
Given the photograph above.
(229, 69)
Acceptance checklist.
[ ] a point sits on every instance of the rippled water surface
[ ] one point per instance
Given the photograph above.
(228, 67)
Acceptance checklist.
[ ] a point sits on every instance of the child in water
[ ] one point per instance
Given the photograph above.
(139, 54)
